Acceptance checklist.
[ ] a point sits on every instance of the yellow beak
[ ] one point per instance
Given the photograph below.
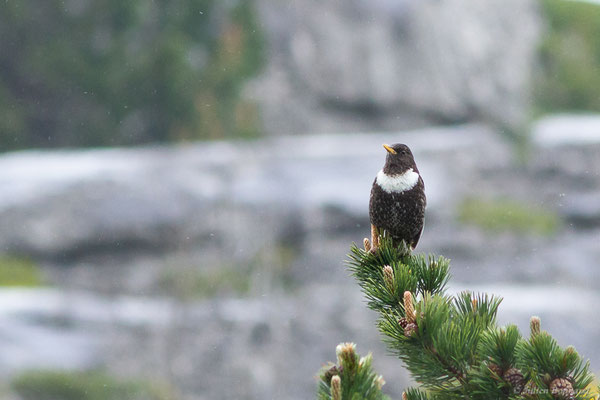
(389, 149)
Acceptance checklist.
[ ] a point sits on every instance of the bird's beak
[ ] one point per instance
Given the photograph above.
(389, 149)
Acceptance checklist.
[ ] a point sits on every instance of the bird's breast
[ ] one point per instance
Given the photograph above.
(397, 183)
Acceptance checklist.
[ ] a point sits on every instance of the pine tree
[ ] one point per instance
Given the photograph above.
(451, 345)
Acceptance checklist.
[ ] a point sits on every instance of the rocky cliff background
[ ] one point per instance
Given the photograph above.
(203, 269)
(361, 65)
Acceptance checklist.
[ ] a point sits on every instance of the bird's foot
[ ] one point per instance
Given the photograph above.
(374, 243)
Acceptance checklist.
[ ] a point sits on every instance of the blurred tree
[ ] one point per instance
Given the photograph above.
(569, 57)
(112, 72)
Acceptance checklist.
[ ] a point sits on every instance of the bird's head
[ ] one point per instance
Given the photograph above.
(399, 159)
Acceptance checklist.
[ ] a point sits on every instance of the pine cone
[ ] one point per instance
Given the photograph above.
(515, 378)
(410, 329)
(495, 369)
(562, 389)
(331, 372)
(409, 308)
(388, 278)
(367, 244)
(346, 354)
(336, 388)
(403, 322)
(530, 390)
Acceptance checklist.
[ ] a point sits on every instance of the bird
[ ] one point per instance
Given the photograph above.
(397, 203)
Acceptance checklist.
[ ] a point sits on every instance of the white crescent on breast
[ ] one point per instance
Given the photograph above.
(397, 183)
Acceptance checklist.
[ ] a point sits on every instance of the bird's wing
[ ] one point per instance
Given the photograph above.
(416, 238)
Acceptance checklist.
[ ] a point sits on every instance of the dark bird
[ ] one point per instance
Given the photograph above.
(397, 204)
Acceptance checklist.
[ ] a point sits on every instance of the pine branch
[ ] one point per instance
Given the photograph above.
(561, 372)
(497, 350)
(451, 344)
(351, 378)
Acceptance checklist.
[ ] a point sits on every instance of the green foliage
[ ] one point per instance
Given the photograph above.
(413, 273)
(570, 57)
(53, 385)
(497, 348)
(508, 215)
(87, 73)
(544, 360)
(415, 394)
(16, 271)
(451, 344)
(357, 378)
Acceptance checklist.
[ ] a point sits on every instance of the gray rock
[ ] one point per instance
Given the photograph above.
(107, 201)
(227, 199)
(583, 211)
(351, 65)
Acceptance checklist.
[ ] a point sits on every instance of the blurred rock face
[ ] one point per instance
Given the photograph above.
(133, 238)
(338, 65)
